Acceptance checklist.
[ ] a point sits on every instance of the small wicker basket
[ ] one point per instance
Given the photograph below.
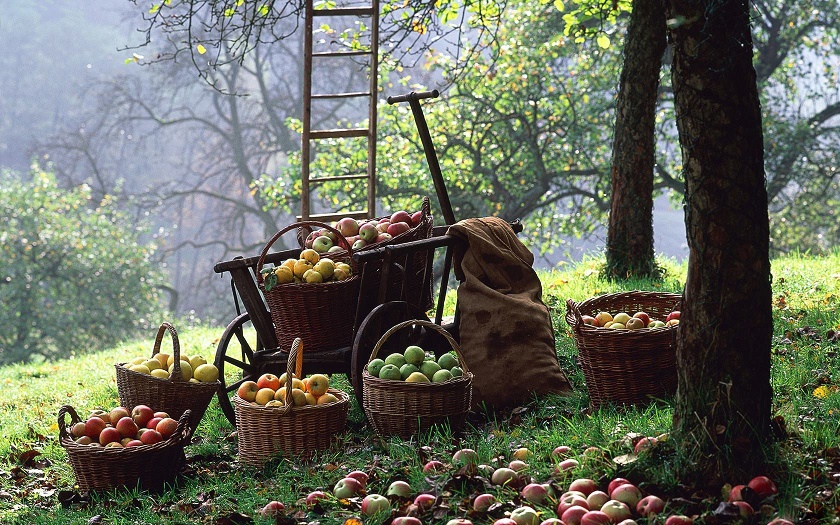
(174, 395)
(265, 432)
(398, 408)
(321, 312)
(148, 466)
(626, 367)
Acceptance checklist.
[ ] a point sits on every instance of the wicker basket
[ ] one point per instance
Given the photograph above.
(626, 367)
(148, 466)
(265, 432)
(398, 408)
(174, 395)
(320, 312)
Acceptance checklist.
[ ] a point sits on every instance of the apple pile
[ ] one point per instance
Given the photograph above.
(194, 369)
(624, 321)
(124, 428)
(360, 233)
(309, 267)
(270, 390)
(414, 365)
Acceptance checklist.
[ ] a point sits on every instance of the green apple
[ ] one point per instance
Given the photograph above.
(429, 368)
(395, 359)
(390, 372)
(408, 369)
(441, 376)
(457, 371)
(375, 366)
(448, 360)
(414, 355)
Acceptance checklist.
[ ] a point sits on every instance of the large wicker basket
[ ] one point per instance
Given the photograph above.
(266, 432)
(626, 367)
(149, 467)
(398, 408)
(320, 312)
(174, 395)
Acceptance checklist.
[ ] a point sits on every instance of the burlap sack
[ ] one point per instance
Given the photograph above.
(505, 329)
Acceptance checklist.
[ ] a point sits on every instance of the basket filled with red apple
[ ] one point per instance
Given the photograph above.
(626, 344)
(128, 447)
(289, 414)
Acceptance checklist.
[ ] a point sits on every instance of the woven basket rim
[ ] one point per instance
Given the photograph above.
(343, 398)
(181, 435)
(372, 379)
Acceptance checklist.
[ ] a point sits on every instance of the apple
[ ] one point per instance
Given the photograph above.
(397, 228)
(383, 237)
(595, 517)
(534, 493)
(561, 451)
(406, 520)
(150, 437)
(401, 216)
(483, 502)
(552, 521)
(503, 476)
(644, 444)
(568, 501)
(615, 482)
(604, 318)
(616, 510)
(78, 429)
(316, 496)
(322, 244)
(744, 508)
(628, 494)
(678, 519)
(347, 226)
(126, 427)
(358, 244)
(118, 413)
(525, 516)
(374, 504)
(264, 395)
(485, 470)
(627, 522)
(368, 232)
(319, 384)
(596, 499)
(518, 465)
(347, 488)
(572, 515)
(650, 506)
(133, 443)
(673, 315)
(588, 319)
(400, 489)
(643, 316)
(736, 493)
(763, 487)
(780, 521)
(268, 381)
(272, 508)
(416, 218)
(310, 239)
(109, 435)
(160, 414)
(459, 521)
(621, 317)
(424, 502)
(101, 414)
(382, 225)
(152, 423)
(167, 427)
(584, 485)
(568, 464)
(634, 323)
(94, 426)
(433, 465)
(248, 390)
(465, 456)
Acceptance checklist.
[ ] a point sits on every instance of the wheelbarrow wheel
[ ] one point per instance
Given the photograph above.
(371, 329)
(235, 360)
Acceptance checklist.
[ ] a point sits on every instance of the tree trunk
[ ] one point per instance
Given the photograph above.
(630, 236)
(722, 411)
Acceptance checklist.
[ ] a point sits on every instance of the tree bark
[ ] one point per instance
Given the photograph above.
(630, 251)
(722, 410)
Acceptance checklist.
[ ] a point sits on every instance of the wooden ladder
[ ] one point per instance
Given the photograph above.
(309, 135)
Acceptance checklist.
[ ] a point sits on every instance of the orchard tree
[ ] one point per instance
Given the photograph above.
(75, 275)
(722, 411)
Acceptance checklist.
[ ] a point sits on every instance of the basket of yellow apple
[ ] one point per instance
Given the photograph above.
(172, 382)
(288, 415)
(626, 345)
(315, 294)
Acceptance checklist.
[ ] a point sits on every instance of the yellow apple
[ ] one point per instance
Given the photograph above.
(319, 384)
(206, 373)
(264, 395)
(312, 276)
(327, 398)
(186, 370)
(621, 317)
(301, 267)
(604, 318)
(285, 275)
(196, 361)
(160, 373)
(310, 256)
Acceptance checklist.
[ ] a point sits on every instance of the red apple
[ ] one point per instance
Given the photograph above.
(109, 435)
(433, 466)
(616, 510)
(167, 427)
(744, 508)
(503, 476)
(615, 483)
(424, 502)
(268, 381)
(483, 502)
(400, 489)
(568, 464)
(552, 521)
(650, 506)
(401, 216)
(644, 444)
(763, 487)
(673, 315)
(141, 414)
(643, 316)
(594, 517)
(568, 501)
(384, 237)
(596, 499)
(534, 493)
(161, 414)
(347, 488)
(627, 493)
(382, 226)
(133, 443)
(397, 228)
(736, 493)
(150, 437)
(573, 515)
(374, 504)
(118, 413)
(126, 427)
(94, 426)
(525, 516)
(518, 465)
(780, 521)
(153, 422)
(360, 476)
(561, 451)
(505, 521)
(459, 521)
(588, 319)
(585, 485)
(465, 456)
(406, 520)
(347, 226)
(272, 508)
(678, 519)
(314, 497)
(416, 218)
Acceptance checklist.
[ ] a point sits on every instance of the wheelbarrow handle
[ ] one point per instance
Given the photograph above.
(413, 96)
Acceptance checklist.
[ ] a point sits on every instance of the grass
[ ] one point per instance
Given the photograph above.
(38, 488)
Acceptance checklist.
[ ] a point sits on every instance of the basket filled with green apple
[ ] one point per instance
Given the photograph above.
(124, 447)
(173, 382)
(288, 415)
(313, 295)
(407, 392)
(626, 344)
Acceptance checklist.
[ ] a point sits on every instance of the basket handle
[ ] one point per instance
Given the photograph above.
(427, 324)
(63, 434)
(294, 368)
(183, 429)
(175, 375)
(573, 317)
(341, 239)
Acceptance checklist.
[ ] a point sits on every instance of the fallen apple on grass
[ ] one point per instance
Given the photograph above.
(347, 488)
(483, 502)
(650, 506)
(525, 516)
(272, 508)
(399, 489)
(595, 517)
(375, 504)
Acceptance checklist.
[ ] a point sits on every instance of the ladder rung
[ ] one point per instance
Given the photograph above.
(344, 11)
(333, 216)
(340, 53)
(338, 133)
(338, 177)
(342, 95)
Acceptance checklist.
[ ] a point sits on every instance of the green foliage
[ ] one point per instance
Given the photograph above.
(74, 275)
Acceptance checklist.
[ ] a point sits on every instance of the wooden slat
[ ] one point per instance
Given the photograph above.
(344, 11)
(338, 133)
(323, 54)
(323, 217)
(341, 95)
(338, 177)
